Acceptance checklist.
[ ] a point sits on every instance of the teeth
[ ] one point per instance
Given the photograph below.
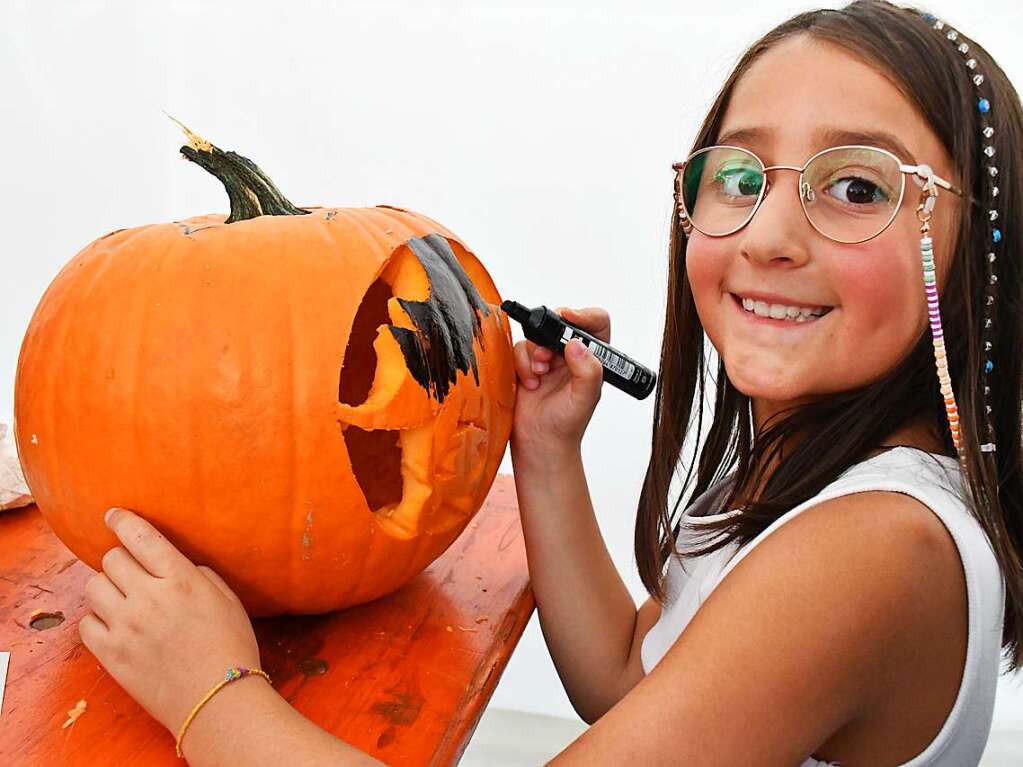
(781, 311)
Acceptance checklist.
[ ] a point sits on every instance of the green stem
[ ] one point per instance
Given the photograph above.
(249, 189)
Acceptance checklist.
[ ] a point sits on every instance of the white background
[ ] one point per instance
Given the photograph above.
(540, 132)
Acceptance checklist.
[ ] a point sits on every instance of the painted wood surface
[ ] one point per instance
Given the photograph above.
(404, 678)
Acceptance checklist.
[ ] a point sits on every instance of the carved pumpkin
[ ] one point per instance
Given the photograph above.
(314, 402)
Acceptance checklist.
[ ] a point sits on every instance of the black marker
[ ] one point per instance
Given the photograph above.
(546, 328)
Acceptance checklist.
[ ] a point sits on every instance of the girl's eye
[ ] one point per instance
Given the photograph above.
(857, 191)
(739, 182)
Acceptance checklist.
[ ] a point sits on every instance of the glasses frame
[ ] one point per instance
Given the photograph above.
(922, 174)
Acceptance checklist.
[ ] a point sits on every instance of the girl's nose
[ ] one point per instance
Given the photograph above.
(779, 231)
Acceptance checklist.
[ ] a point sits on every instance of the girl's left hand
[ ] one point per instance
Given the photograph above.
(165, 629)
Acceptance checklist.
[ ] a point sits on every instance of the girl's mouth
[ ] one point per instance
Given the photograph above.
(777, 315)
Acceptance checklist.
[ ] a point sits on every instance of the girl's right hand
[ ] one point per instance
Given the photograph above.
(557, 395)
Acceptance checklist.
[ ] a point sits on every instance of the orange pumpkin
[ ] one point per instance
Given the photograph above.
(314, 402)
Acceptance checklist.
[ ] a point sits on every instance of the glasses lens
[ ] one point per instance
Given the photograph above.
(720, 187)
(850, 193)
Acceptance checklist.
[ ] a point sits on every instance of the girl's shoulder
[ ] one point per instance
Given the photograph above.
(906, 514)
(872, 572)
(816, 624)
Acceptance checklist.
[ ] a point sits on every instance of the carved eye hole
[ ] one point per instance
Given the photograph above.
(375, 454)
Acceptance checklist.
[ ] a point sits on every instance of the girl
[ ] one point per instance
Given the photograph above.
(853, 539)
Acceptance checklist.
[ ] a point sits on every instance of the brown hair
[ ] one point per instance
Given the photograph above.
(843, 429)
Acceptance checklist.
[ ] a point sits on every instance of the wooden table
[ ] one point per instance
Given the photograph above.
(404, 678)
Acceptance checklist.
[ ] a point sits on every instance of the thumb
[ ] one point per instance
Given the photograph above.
(587, 372)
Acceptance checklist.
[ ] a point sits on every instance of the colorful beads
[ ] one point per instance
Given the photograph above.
(937, 334)
(988, 152)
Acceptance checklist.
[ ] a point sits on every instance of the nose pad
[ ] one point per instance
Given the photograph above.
(807, 193)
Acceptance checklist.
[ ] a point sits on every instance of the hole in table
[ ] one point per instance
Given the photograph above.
(41, 621)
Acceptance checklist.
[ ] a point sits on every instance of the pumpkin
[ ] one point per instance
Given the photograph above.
(312, 401)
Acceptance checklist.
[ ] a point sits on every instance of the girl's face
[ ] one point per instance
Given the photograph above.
(793, 96)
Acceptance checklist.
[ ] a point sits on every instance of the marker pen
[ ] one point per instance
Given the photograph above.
(546, 327)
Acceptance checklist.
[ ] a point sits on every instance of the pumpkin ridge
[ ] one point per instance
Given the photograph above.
(371, 235)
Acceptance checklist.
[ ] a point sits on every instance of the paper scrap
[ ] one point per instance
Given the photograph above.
(5, 660)
(14, 493)
(74, 713)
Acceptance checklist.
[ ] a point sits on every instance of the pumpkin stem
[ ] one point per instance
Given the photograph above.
(249, 189)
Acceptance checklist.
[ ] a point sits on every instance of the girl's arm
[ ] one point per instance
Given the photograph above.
(248, 723)
(588, 618)
(586, 613)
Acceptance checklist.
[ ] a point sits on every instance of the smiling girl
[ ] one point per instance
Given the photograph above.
(839, 582)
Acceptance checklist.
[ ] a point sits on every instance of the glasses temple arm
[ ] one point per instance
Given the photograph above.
(919, 172)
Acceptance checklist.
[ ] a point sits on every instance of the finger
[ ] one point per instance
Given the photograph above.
(93, 631)
(523, 366)
(123, 571)
(537, 352)
(145, 543)
(587, 372)
(219, 582)
(539, 366)
(103, 598)
(594, 320)
(541, 359)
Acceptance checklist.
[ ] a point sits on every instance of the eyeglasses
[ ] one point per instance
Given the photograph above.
(849, 194)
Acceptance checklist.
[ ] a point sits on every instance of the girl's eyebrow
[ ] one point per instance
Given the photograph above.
(826, 137)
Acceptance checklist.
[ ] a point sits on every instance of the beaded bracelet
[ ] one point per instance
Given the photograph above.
(233, 673)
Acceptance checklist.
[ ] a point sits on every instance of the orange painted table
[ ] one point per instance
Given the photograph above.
(404, 678)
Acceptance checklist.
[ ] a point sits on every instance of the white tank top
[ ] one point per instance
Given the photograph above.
(934, 480)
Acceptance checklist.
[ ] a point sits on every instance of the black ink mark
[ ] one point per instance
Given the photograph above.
(446, 322)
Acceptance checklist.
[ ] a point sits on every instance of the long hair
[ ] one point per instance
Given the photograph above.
(843, 429)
